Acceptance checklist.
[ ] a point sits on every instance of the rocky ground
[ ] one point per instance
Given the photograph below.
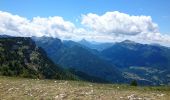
(35, 89)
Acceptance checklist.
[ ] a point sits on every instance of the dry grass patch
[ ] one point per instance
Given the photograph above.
(35, 89)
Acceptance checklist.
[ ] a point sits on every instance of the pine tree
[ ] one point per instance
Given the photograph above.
(134, 83)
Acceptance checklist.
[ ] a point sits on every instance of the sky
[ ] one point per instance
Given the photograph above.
(100, 20)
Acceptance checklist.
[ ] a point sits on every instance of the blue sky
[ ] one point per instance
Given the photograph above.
(72, 9)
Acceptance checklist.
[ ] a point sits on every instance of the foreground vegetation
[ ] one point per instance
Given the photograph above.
(14, 88)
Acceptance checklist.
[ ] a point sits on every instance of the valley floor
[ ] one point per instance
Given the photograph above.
(35, 89)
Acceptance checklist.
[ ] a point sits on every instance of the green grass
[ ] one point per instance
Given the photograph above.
(14, 88)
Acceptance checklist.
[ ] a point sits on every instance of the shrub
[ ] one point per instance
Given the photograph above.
(134, 83)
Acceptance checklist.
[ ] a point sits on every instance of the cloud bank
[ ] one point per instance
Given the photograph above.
(109, 27)
(119, 23)
(56, 26)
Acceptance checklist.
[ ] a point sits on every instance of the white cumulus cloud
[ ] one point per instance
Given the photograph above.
(52, 26)
(119, 23)
(116, 26)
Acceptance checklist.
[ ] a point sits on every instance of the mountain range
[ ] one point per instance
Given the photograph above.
(72, 55)
(123, 61)
(119, 62)
(141, 61)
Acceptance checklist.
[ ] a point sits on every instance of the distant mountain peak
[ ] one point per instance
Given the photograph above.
(45, 38)
(84, 41)
(128, 42)
(5, 36)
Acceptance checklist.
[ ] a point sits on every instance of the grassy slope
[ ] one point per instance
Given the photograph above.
(22, 88)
